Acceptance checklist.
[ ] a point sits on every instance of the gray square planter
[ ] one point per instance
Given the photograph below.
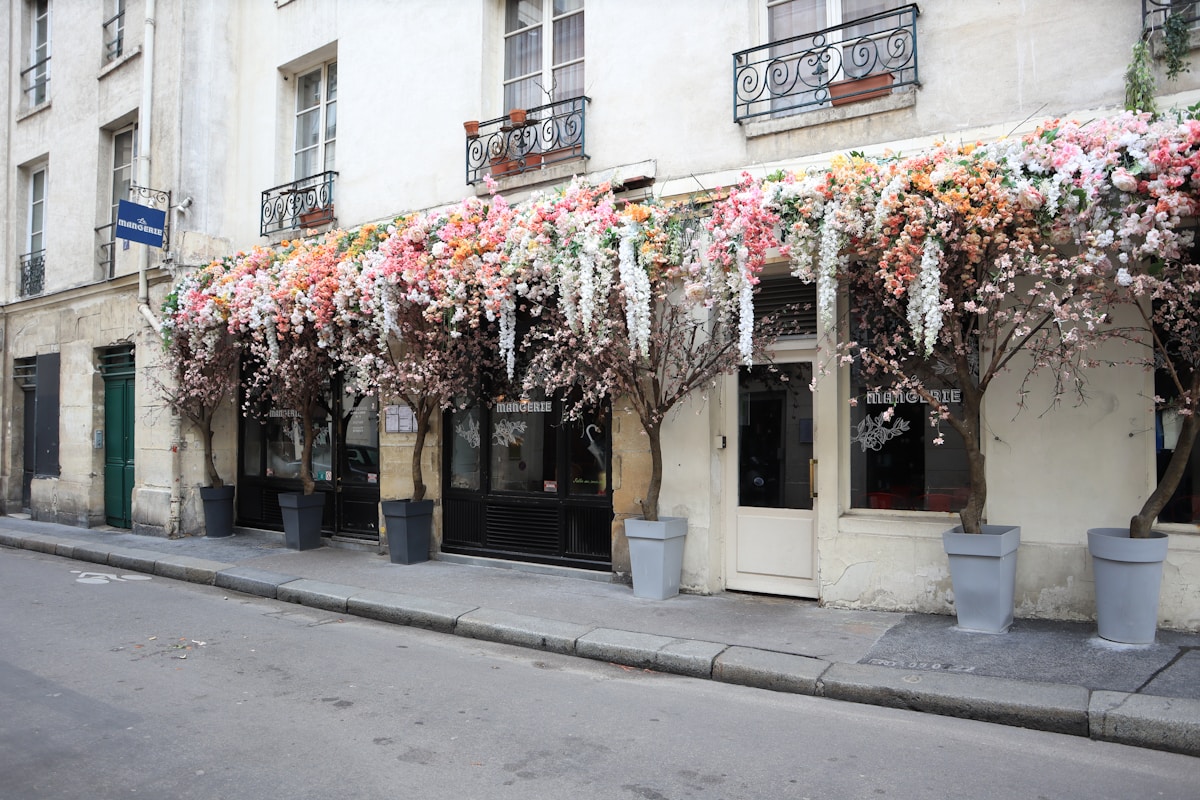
(302, 515)
(656, 555)
(1128, 574)
(983, 569)
(409, 530)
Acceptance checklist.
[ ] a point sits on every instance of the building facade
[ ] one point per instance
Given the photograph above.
(253, 121)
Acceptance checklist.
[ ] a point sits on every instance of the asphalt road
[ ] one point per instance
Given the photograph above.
(132, 686)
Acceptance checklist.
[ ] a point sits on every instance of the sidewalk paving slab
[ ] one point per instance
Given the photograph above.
(765, 669)
(402, 609)
(189, 568)
(1163, 723)
(133, 559)
(520, 629)
(316, 594)
(250, 580)
(1058, 708)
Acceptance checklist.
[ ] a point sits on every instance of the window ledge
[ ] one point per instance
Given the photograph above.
(807, 119)
(24, 115)
(117, 63)
(550, 174)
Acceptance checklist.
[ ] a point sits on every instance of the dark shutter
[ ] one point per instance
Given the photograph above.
(46, 392)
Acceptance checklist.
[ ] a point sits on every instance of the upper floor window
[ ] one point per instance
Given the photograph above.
(114, 30)
(823, 53)
(33, 262)
(36, 76)
(316, 121)
(543, 52)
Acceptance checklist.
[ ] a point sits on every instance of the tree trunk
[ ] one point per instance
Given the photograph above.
(306, 479)
(650, 503)
(423, 410)
(1139, 525)
(968, 428)
(206, 436)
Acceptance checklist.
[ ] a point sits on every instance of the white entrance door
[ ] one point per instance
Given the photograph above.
(771, 546)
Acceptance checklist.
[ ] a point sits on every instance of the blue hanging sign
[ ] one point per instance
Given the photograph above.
(140, 223)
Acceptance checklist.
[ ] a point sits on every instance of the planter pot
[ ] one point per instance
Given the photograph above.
(983, 569)
(302, 515)
(1128, 575)
(858, 89)
(317, 216)
(218, 511)
(408, 527)
(656, 555)
(472, 128)
(516, 116)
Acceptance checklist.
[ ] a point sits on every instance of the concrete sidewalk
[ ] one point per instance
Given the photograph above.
(1053, 676)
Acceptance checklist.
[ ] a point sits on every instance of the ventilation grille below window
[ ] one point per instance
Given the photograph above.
(25, 372)
(790, 301)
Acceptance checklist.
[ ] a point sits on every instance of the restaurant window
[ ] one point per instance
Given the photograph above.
(902, 457)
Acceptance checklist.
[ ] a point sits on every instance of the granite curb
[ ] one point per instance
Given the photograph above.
(1163, 723)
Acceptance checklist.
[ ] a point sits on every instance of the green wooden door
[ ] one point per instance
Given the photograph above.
(118, 448)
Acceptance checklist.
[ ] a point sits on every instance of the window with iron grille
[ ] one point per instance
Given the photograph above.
(36, 76)
(33, 262)
(114, 30)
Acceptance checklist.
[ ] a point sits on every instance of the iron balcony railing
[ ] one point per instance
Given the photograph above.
(33, 273)
(1155, 13)
(36, 78)
(305, 203)
(114, 34)
(106, 249)
(549, 134)
(858, 60)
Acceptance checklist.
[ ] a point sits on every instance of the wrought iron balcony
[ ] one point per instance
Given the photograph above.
(861, 59)
(33, 273)
(549, 134)
(305, 203)
(1155, 13)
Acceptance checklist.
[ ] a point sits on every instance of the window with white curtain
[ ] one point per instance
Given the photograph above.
(37, 211)
(316, 121)
(543, 52)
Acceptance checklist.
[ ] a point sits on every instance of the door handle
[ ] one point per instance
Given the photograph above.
(812, 478)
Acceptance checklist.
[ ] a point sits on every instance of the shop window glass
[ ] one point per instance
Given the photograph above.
(589, 455)
(464, 449)
(523, 445)
(896, 461)
(1184, 505)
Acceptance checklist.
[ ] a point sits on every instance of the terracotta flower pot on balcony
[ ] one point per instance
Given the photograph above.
(858, 89)
(472, 128)
(516, 117)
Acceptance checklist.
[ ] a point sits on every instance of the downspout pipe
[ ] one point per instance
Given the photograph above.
(145, 128)
(146, 114)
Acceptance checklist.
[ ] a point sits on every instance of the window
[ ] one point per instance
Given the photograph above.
(846, 53)
(541, 68)
(33, 263)
(316, 121)
(37, 75)
(899, 457)
(1184, 505)
(114, 31)
(124, 153)
(826, 53)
